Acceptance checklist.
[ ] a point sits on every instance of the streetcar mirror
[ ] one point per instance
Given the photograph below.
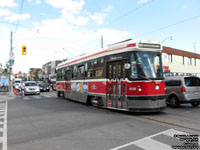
(127, 66)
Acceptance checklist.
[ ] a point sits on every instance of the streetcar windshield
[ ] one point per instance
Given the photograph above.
(146, 65)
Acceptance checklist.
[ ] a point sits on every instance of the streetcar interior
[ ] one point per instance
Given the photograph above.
(146, 65)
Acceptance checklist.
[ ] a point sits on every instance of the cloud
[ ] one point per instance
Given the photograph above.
(69, 5)
(7, 3)
(4, 12)
(142, 1)
(75, 19)
(98, 17)
(54, 41)
(15, 17)
(109, 8)
(35, 1)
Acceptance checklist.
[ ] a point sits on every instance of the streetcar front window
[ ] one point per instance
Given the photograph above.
(145, 65)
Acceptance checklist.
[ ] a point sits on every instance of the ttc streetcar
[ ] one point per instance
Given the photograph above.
(126, 76)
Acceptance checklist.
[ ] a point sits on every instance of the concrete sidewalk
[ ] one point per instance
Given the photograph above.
(5, 96)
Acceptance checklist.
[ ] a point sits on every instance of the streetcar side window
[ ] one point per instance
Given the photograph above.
(59, 75)
(74, 72)
(62, 74)
(90, 69)
(80, 71)
(98, 67)
(86, 69)
(68, 74)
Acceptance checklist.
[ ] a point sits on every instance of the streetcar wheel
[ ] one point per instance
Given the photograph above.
(195, 104)
(58, 94)
(173, 101)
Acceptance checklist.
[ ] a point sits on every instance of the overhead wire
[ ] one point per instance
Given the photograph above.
(20, 11)
(167, 26)
(129, 12)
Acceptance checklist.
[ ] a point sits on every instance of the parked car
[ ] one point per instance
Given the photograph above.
(44, 87)
(31, 87)
(182, 89)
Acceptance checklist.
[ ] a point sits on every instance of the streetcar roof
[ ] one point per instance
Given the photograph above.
(112, 49)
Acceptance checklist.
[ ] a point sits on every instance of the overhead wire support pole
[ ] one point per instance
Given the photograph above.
(11, 69)
(20, 11)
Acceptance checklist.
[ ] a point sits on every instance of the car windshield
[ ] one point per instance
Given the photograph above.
(17, 81)
(146, 65)
(192, 81)
(30, 84)
(43, 84)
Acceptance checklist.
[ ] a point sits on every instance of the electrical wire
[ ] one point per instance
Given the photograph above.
(165, 27)
(20, 11)
(126, 14)
(14, 24)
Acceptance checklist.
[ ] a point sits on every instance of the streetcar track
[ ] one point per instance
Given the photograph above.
(168, 123)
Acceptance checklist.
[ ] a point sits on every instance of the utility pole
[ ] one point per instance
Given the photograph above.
(195, 46)
(11, 63)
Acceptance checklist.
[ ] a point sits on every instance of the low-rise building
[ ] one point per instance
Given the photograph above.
(179, 62)
(49, 70)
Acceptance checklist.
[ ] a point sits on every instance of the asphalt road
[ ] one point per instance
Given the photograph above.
(46, 122)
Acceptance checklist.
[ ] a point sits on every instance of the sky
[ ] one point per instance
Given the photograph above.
(59, 29)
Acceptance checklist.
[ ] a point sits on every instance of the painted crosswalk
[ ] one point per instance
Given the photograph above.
(3, 125)
(35, 97)
(166, 140)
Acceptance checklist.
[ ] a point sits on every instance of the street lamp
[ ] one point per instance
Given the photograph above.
(195, 46)
(166, 39)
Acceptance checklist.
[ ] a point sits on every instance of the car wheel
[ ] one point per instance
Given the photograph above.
(173, 101)
(195, 104)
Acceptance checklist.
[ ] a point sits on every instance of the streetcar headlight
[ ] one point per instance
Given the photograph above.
(157, 87)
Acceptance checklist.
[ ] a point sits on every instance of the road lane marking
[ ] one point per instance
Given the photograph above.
(150, 144)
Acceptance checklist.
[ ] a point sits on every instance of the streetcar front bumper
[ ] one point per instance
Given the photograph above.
(150, 103)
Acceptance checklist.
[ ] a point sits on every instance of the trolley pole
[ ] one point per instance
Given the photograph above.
(101, 41)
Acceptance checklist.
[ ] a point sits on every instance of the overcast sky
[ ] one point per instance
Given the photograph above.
(57, 29)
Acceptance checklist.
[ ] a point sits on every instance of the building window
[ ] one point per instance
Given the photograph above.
(183, 60)
(170, 58)
(189, 61)
(195, 61)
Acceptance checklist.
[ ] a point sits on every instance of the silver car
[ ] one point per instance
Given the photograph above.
(31, 87)
(182, 89)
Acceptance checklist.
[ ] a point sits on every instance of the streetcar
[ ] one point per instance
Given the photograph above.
(127, 76)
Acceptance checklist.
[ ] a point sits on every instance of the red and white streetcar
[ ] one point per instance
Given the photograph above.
(126, 76)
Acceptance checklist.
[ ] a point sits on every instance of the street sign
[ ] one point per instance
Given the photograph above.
(11, 55)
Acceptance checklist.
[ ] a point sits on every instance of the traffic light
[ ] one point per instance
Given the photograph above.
(24, 52)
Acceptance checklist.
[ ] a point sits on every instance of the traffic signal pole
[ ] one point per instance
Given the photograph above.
(11, 67)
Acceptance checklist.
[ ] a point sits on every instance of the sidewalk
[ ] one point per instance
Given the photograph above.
(4, 96)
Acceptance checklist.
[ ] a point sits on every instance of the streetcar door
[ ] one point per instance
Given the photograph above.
(115, 73)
